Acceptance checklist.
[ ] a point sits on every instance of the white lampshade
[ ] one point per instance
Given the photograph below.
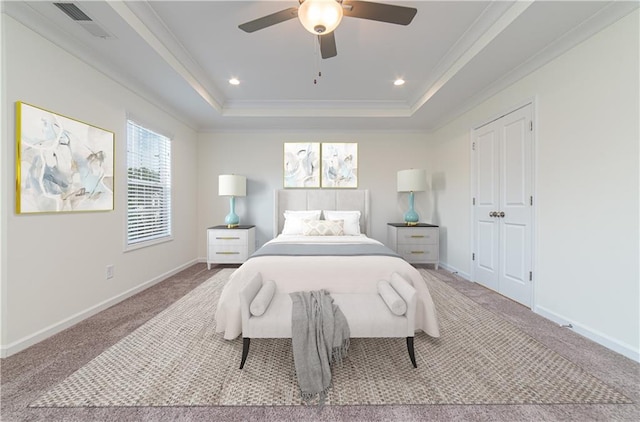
(232, 185)
(320, 16)
(412, 180)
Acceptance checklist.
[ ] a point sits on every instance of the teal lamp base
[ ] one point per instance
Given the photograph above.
(411, 217)
(232, 220)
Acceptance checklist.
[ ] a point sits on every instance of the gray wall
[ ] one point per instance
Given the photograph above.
(53, 265)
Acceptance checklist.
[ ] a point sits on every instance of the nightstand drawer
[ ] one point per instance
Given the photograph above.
(418, 236)
(418, 253)
(228, 253)
(228, 237)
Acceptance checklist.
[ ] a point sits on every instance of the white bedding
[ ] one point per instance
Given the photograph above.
(293, 238)
(337, 274)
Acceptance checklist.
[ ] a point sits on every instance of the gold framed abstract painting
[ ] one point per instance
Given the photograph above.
(301, 165)
(62, 164)
(339, 165)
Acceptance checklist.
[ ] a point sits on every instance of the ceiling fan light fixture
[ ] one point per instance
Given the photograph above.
(320, 16)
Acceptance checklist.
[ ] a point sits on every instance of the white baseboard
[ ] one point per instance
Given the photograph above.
(594, 335)
(25, 342)
(455, 271)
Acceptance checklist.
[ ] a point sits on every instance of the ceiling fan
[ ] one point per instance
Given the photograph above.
(322, 17)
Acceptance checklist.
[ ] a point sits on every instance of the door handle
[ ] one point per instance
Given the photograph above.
(493, 214)
(501, 214)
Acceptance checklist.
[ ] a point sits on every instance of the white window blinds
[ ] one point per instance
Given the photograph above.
(148, 185)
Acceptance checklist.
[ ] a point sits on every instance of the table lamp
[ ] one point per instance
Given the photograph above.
(412, 180)
(232, 185)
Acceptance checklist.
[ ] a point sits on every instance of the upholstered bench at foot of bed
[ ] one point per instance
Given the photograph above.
(369, 315)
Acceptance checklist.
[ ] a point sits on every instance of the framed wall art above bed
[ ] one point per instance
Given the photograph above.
(301, 165)
(314, 165)
(339, 165)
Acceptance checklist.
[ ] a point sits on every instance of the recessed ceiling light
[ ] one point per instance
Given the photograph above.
(398, 82)
(234, 81)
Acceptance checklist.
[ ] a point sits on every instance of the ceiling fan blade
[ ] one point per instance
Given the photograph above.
(272, 19)
(328, 45)
(379, 12)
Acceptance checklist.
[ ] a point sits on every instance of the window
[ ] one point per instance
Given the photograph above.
(148, 185)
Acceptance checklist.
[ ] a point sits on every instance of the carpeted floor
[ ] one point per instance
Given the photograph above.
(177, 359)
(495, 352)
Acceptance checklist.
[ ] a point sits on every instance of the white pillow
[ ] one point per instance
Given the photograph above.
(351, 220)
(293, 220)
(261, 301)
(394, 301)
(322, 227)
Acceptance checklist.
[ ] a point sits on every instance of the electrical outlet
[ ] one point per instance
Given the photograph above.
(109, 271)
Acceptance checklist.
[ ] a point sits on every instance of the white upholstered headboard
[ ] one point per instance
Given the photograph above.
(321, 199)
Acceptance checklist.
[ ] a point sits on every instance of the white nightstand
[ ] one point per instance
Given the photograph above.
(418, 244)
(230, 246)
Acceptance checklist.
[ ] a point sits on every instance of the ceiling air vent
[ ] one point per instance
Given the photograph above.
(74, 12)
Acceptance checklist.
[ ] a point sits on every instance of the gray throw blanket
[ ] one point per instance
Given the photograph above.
(320, 336)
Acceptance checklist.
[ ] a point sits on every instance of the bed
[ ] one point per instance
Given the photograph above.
(350, 262)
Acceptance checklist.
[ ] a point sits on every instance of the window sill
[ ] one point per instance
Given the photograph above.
(136, 246)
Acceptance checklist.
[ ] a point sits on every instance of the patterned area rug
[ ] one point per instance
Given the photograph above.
(177, 359)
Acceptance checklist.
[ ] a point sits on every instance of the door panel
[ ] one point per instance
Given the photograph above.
(487, 201)
(487, 172)
(514, 280)
(487, 259)
(513, 161)
(514, 202)
(514, 240)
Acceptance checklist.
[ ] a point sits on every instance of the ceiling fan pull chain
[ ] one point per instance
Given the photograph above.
(316, 46)
(316, 60)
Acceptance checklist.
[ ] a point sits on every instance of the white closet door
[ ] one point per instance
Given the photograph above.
(487, 200)
(503, 212)
(515, 202)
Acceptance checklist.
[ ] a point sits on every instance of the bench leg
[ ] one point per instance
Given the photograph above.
(245, 350)
(412, 354)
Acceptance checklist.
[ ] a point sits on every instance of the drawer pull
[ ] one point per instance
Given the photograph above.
(417, 252)
(227, 253)
(227, 238)
(419, 236)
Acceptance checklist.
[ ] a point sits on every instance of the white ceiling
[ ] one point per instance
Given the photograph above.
(181, 54)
